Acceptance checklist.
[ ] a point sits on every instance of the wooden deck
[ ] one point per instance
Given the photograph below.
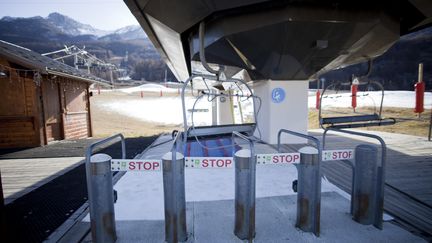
(20, 176)
(408, 186)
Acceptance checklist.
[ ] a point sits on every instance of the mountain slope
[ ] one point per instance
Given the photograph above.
(52, 33)
(72, 27)
(35, 28)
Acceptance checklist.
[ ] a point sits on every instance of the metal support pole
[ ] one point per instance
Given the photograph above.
(309, 191)
(101, 200)
(214, 109)
(174, 197)
(245, 172)
(364, 201)
(430, 127)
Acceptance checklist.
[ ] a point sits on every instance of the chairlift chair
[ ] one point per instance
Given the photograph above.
(193, 131)
(354, 121)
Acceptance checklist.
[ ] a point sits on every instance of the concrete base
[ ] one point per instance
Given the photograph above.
(289, 112)
(213, 221)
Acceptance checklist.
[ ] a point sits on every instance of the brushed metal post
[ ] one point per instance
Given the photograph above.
(245, 172)
(364, 200)
(309, 191)
(101, 200)
(174, 197)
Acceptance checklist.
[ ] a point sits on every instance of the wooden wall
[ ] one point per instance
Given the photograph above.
(19, 124)
(26, 120)
(76, 109)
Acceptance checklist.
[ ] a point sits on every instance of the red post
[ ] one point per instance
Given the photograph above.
(354, 89)
(160, 95)
(419, 92)
(142, 94)
(318, 95)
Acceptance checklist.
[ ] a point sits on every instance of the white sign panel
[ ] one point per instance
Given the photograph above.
(209, 162)
(329, 155)
(280, 158)
(135, 165)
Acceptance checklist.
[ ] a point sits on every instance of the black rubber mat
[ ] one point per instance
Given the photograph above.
(34, 216)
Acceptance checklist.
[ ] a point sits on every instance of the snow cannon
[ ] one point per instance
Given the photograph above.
(318, 94)
(419, 92)
(354, 89)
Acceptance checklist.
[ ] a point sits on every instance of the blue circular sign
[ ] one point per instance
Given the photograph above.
(278, 95)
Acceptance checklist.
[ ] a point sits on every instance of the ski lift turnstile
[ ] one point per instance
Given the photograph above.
(366, 203)
(368, 179)
(368, 173)
(101, 195)
(309, 183)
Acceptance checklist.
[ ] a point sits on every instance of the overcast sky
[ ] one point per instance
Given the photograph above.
(101, 14)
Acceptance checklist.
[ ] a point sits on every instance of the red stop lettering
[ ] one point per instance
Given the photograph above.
(147, 166)
(132, 166)
(228, 162)
(204, 163)
(212, 161)
(156, 165)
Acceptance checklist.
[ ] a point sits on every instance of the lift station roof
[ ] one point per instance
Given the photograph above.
(279, 40)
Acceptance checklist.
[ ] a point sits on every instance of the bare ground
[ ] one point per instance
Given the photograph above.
(106, 123)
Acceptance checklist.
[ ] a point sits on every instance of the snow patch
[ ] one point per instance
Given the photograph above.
(400, 99)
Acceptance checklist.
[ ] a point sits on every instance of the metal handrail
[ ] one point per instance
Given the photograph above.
(381, 180)
(297, 134)
(93, 145)
(247, 139)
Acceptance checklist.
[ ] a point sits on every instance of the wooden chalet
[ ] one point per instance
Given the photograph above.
(41, 99)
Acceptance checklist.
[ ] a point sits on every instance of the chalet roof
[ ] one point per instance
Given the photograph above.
(45, 65)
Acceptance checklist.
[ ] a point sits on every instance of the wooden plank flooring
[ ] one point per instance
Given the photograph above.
(408, 190)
